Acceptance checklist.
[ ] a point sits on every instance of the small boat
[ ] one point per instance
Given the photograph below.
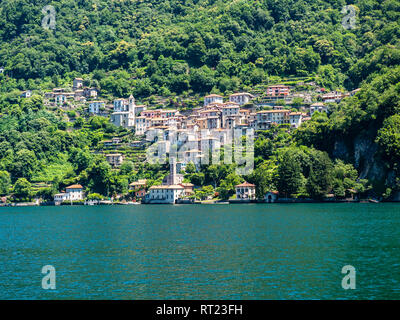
(373, 201)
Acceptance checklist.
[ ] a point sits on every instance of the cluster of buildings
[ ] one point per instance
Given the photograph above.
(204, 129)
(171, 191)
(80, 93)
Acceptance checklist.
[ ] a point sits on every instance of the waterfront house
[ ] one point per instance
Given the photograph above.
(271, 196)
(188, 188)
(139, 188)
(60, 197)
(75, 192)
(72, 193)
(165, 194)
(245, 191)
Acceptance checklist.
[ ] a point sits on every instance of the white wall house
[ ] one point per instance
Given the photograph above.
(319, 106)
(295, 119)
(124, 113)
(213, 98)
(241, 98)
(60, 99)
(165, 194)
(77, 83)
(231, 109)
(245, 191)
(96, 106)
(72, 193)
(265, 118)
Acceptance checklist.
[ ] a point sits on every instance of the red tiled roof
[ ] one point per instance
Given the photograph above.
(245, 184)
(75, 186)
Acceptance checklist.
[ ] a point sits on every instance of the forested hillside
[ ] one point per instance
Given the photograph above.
(189, 48)
(163, 47)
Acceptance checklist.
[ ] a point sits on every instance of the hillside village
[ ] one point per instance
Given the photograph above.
(205, 128)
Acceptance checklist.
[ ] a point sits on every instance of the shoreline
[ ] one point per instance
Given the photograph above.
(196, 203)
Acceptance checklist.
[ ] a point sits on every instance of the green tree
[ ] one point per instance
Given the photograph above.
(22, 188)
(227, 186)
(289, 176)
(190, 168)
(319, 181)
(25, 164)
(264, 177)
(5, 182)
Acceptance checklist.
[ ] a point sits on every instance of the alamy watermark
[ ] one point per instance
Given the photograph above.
(349, 280)
(350, 18)
(49, 20)
(49, 280)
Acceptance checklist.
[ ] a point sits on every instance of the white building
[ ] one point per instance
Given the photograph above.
(334, 97)
(241, 98)
(60, 99)
(141, 125)
(124, 113)
(165, 194)
(245, 191)
(77, 83)
(72, 193)
(295, 119)
(96, 106)
(319, 106)
(266, 118)
(230, 109)
(213, 98)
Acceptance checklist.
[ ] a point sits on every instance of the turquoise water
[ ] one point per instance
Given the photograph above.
(260, 251)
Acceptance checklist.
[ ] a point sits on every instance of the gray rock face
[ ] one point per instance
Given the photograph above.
(363, 153)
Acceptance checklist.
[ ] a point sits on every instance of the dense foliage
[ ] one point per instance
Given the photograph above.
(193, 47)
(164, 47)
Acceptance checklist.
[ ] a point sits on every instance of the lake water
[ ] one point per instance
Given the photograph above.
(260, 251)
